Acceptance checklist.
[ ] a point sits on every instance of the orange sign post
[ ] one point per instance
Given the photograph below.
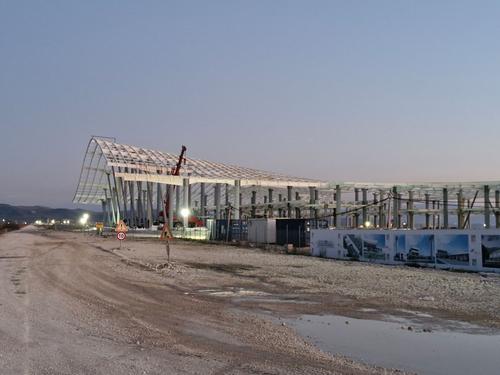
(121, 229)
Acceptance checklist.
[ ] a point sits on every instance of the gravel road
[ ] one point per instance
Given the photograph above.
(76, 304)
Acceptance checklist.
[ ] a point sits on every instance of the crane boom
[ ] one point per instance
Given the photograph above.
(175, 172)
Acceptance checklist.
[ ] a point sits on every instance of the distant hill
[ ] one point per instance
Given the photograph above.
(29, 214)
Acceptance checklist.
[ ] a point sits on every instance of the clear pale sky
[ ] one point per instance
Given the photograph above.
(337, 90)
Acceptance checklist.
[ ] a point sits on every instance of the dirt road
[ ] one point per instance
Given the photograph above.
(69, 306)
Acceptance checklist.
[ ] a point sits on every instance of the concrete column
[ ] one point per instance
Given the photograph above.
(111, 220)
(104, 211)
(139, 204)
(460, 210)
(427, 207)
(241, 204)
(149, 187)
(288, 200)
(236, 213)
(469, 207)
(375, 216)
(497, 208)
(178, 202)
(395, 210)
(411, 221)
(145, 207)
(337, 223)
(170, 192)
(253, 201)
(270, 207)
(433, 215)
(111, 197)
(356, 213)
(438, 215)
(445, 208)
(399, 201)
(217, 201)
(114, 196)
(364, 202)
(185, 200)
(203, 204)
(311, 201)
(381, 214)
(316, 201)
(133, 211)
(297, 209)
(190, 200)
(159, 199)
(123, 189)
(486, 206)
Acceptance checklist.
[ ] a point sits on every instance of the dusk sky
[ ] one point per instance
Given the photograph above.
(336, 90)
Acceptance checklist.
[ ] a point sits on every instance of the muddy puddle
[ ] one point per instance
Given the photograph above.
(413, 342)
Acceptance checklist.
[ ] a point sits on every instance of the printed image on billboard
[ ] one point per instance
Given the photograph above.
(452, 249)
(353, 244)
(373, 246)
(418, 249)
(490, 248)
(400, 247)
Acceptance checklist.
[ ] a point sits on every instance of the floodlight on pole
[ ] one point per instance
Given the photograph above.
(185, 212)
(84, 219)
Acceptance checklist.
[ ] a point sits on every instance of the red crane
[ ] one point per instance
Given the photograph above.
(174, 172)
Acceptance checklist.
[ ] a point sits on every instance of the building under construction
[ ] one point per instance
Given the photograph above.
(130, 183)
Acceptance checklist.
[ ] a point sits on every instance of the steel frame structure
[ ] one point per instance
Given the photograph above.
(130, 181)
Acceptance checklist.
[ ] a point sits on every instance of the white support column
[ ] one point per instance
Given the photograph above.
(364, 202)
(111, 202)
(149, 222)
(159, 195)
(289, 201)
(445, 208)
(217, 201)
(139, 204)
(185, 200)
(497, 208)
(270, 200)
(178, 202)
(338, 207)
(427, 215)
(487, 206)
(133, 213)
(203, 204)
(236, 205)
(170, 189)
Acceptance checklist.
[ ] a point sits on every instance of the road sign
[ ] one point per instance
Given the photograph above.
(121, 227)
(121, 236)
(99, 225)
(165, 233)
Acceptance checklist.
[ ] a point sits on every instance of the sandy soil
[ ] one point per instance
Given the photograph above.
(74, 304)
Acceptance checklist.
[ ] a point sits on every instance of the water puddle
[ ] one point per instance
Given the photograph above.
(232, 292)
(433, 347)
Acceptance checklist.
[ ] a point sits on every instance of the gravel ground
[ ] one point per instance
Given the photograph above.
(471, 297)
(76, 304)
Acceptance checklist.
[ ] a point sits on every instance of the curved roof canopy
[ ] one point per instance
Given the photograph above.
(105, 161)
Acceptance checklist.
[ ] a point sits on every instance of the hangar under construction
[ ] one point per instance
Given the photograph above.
(130, 183)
